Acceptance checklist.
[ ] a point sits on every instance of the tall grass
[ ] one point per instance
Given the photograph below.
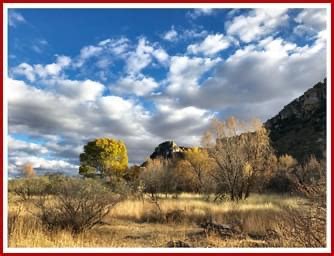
(132, 223)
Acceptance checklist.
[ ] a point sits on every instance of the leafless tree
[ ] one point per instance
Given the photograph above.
(242, 153)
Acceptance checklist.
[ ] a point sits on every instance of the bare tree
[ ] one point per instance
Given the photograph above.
(152, 179)
(242, 153)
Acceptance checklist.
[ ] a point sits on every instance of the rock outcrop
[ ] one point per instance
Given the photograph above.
(169, 150)
(300, 128)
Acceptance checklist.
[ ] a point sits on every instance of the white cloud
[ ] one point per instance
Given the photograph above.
(143, 56)
(171, 35)
(161, 55)
(211, 45)
(22, 152)
(88, 52)
(200, 12)
(104, 52)
(272, 73)
(140, 85)
(55, 111)
(24, 69)
(39, 71)
(257, 23)
(41, 165)
(181, 124)
(311, 21)
(25, 147)
(184, 73)
(15, 18)
(86, 90)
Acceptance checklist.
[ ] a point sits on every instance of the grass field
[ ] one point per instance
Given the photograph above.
(138, 223)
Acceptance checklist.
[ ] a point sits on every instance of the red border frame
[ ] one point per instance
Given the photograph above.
(157, 1)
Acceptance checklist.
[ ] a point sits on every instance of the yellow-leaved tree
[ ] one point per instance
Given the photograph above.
(103, 156)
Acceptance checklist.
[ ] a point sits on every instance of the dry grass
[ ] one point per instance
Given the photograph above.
(133, 223)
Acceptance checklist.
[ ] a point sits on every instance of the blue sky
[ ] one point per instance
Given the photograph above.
(149, 75)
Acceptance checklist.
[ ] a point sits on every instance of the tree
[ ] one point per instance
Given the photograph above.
(152, 176)
(28, 170)
(242, 153)
(201, 165)
(103, 156)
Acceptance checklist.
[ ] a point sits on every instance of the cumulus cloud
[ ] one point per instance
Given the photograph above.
(143, 56)
(76, 90)
(32, 72)
(257, 23)
(182, 124)
(211, 45)
(140, 85)
(170, 35)
(273, 70)
(47, 113)
(310, 21)
(184, 73)
(22, 152)
(25, 147)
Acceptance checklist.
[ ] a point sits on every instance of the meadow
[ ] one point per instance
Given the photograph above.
(136, 222)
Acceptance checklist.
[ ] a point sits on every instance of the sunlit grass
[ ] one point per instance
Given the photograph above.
(130, 226)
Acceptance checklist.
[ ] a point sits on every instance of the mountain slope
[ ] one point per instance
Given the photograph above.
(300, 128)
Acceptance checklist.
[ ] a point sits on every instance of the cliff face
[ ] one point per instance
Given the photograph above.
(300, 128)
(168, 149)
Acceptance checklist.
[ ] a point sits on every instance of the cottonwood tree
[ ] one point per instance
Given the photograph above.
(28, 170)
(242, 153)
(201, 165)
(103, 156)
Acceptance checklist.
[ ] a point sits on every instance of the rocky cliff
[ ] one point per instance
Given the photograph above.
(168, 149)
(299, 129)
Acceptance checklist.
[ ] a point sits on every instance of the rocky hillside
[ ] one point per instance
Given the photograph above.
(299, 129)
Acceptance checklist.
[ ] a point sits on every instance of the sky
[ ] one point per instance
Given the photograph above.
(149, 75)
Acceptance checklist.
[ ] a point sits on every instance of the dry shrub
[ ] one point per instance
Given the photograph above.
(76, 205)
(26, 188)
(307, 224)
(305, 227)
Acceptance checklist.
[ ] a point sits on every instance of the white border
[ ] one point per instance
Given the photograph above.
(162, 250)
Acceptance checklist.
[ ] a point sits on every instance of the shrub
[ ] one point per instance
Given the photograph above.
(26, 188)
(76, 205)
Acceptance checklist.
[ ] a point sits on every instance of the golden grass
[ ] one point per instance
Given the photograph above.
(130, 225)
